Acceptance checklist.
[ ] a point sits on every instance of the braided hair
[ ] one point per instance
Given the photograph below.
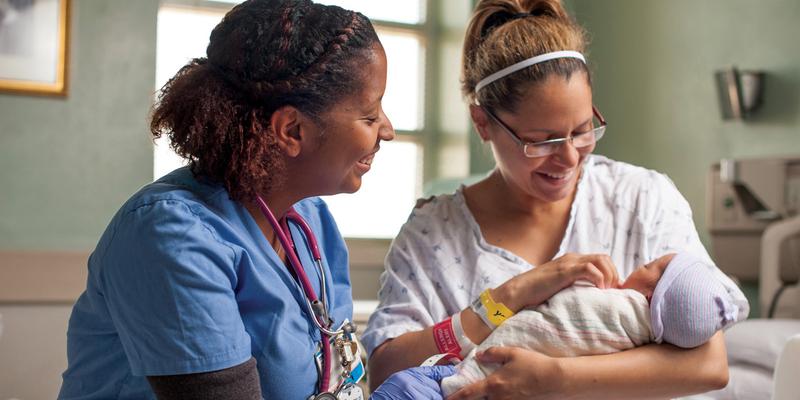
(263, 55)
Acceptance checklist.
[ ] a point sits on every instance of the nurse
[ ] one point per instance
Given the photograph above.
(550, 213)
(228, 279)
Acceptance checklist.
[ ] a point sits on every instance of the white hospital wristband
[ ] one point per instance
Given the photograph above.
(477, 307)
(463, 341)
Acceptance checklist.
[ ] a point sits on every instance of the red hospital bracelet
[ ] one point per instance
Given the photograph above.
(445, 338)
(464, 342)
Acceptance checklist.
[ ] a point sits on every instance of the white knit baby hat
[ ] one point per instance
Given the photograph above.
(690, 303)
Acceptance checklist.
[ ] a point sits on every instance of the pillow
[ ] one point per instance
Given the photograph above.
(759, 341)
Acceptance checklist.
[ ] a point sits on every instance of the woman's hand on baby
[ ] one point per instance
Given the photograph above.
(539, 284)
(523, 374)
(662, 261)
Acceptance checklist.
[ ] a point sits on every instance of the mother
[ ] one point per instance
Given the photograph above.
(550, 213)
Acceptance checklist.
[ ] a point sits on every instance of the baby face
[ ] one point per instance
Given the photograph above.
(645, 278)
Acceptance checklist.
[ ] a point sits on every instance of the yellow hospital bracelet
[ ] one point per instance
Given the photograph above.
(495, 313)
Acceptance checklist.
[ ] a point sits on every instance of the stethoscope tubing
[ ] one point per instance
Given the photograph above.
(282, 233)
(292, 215)
(305, 284)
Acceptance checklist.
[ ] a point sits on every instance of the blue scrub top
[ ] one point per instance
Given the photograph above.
(183, 281)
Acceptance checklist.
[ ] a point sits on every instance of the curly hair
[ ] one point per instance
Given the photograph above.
(504, 32)
(263, 55)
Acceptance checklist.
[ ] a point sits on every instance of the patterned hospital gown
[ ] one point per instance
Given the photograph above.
(440, 261)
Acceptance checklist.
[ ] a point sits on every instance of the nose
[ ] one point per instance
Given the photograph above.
(386, 131)
(567, 154)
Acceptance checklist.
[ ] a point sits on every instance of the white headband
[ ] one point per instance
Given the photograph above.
(527, 63)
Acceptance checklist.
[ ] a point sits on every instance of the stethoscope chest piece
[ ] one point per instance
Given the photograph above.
(350, 392)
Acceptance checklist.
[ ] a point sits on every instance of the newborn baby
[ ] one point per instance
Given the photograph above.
(682, 303)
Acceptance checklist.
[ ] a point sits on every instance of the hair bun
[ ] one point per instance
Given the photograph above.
(499, 18)
(547, 8)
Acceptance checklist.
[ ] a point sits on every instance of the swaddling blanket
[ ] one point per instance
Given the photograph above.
(579, 320)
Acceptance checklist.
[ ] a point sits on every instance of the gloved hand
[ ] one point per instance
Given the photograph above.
(414, 383)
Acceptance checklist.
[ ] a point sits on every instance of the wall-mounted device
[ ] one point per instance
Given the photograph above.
(740, 92)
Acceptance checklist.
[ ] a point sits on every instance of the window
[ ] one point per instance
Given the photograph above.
(406, 11)
(389, 190)
(183, 34)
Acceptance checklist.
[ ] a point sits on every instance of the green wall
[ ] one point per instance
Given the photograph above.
(654, 62)
(66, 164)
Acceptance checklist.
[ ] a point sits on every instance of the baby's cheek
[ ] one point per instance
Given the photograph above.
(632, 280)
(640, 285)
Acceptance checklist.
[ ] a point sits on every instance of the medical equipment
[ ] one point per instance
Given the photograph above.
(342, 338)
(753, 207)
(740, 92)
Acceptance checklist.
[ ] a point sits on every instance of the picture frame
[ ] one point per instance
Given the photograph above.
(34, 46)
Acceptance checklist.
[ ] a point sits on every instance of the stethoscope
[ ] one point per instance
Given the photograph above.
(317, 308)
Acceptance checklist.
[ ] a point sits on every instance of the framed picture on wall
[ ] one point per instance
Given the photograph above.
(33, 46)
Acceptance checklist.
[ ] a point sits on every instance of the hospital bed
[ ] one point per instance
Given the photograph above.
(753, 219)
(764, 361)
(754, 382)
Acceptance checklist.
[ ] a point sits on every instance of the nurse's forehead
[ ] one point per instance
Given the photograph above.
(366, 97)
(357, 104)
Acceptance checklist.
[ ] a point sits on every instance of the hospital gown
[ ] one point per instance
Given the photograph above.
(440, 261)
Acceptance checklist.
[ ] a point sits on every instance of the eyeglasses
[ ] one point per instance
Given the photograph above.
(547, 147)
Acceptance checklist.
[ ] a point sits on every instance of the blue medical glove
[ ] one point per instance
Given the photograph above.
(414, 383)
